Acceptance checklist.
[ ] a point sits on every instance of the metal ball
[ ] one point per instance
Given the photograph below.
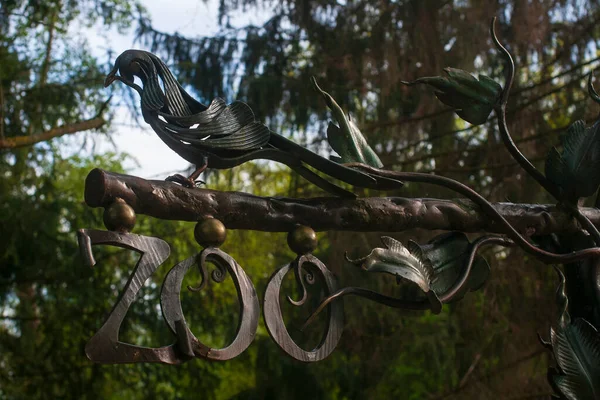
(119, 216)
(302, 239)
(210, 233)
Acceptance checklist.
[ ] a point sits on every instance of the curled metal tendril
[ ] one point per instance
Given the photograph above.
(202, 274)
(453, 291)
(246, 294)
(510, 70)
(407, 304)
(308, 277)
(370, 295)
(563, 304)
(592, 92)
(274, 318)
(488, 209)
(218, 275)
(548, 185)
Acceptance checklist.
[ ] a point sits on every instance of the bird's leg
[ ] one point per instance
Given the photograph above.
(194, 176)
(191, 181)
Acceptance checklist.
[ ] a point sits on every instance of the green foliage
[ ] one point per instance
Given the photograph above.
(575, 170)
(41, 281)
(48, 76)
(472, 99)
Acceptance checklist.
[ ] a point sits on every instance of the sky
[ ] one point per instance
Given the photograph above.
(190, 18)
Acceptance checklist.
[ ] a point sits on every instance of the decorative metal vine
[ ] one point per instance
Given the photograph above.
(445, 269)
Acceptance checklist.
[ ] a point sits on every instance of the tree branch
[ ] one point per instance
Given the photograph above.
(166, 200)
(22, 141)
(509, 366)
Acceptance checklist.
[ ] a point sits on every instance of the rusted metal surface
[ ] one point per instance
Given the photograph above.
(223, 136)
(248, 302)
(274, 318)
(237, 210)
(105, 346)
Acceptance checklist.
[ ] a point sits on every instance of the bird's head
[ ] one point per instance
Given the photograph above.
(148, 68)
(128, 65)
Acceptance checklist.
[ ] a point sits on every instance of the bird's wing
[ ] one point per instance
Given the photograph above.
(229, 121)
(234, 128)
(216, 107)
(249, 137)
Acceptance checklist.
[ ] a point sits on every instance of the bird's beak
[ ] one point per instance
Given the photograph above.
(111, 77)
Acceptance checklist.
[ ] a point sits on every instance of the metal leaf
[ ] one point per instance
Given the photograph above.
(346, 139)
(577, 170)
(397, 260)
(447, 254)
(576, 348)
(472, 99)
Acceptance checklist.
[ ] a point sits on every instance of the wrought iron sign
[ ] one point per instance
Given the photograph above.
(445, 269)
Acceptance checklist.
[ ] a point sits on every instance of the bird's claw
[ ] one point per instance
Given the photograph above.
(183, 181)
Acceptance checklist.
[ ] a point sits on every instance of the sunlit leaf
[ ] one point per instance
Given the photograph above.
(346, 139)
(397, 260)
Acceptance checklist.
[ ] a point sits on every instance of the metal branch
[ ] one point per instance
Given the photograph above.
(488, 209)
(503, 126)
(447, 297)
(367, 294)
(236, 210)
(512, 147)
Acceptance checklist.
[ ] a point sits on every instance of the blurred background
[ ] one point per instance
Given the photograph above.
(57, 122)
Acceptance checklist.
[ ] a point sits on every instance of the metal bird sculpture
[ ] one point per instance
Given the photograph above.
(219, 135)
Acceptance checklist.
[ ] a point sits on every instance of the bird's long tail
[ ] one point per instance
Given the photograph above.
(333, 169)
